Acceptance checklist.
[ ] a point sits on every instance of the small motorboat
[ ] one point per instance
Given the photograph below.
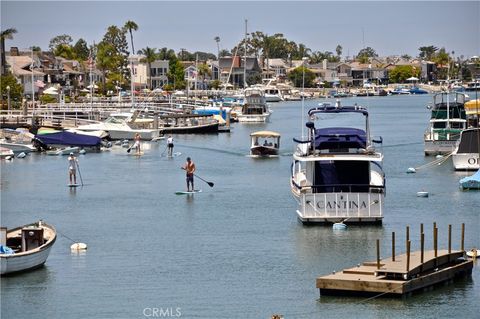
(64, 151)
(264, 143)
(26, 247)
(5, 152)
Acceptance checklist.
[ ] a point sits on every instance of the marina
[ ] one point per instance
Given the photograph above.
(245, 227)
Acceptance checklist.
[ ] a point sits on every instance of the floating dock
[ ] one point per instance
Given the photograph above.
(400, 275)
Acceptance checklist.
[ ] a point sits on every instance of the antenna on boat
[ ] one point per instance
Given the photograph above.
(245, 57)
(303, 94)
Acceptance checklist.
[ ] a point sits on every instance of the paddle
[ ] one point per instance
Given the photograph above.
(128, 150)
(79, 173)
(209, 183)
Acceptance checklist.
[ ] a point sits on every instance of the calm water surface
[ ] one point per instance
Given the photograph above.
(236, 250)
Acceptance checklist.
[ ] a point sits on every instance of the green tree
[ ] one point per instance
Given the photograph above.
(16, 91)
(401, 73)
(5, 35)
(365, 54)
(296, 76)
(60, 40)
(253, 79)
(106, 61)
(406, 57)
(117, 39)
(217, 39)
(66, 51)
(150, 55)
(176, 74)
(166, 54)
(427, 52)
(339, 50)
(81, 50)
(131, 26)
(224, 53)
(215, 84)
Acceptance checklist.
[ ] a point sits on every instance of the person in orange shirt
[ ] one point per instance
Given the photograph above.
(189, 167)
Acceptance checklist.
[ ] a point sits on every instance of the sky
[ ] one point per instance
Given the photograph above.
(389, 27)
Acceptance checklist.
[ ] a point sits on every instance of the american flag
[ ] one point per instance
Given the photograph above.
(91, 61)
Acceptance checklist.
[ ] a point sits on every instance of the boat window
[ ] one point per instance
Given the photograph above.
(342, 176)
(458, 125)
(439, 124)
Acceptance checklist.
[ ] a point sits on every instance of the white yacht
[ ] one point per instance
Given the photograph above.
(337, 174)
(255, 108)
(123, 126)
(447, 121)
(467, 154)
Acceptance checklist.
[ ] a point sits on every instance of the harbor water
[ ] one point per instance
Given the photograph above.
(235, 250)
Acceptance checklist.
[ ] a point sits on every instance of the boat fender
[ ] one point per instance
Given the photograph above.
(78, 246)
(411, 170)
(9, 158)
(21, 155)
(82, 151)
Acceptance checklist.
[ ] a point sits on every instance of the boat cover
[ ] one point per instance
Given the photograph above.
(340, 138)
(471, 181)
(4, 250)
(69, 139)
(469, 141)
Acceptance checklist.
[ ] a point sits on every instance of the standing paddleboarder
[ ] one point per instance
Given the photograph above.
(136, 145)
(72, 168)
(170, 145)
(189, 167)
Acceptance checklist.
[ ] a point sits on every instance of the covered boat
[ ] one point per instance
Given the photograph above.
(471, 182)
(26, 247)
(467, 154)
(65, 138)
(264, 143)
(337, 174)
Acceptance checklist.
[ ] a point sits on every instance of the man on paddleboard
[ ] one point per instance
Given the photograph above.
(72, 168)
(170, 145)
(189, 167)
(136, 145)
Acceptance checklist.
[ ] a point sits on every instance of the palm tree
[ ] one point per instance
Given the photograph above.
(150, 55)
(6, 34)
(217, 39)
(203, 71)
(131, 26)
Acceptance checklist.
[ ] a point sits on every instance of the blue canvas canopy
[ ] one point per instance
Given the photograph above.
(68, 139)
(340, 138)
(472, 182)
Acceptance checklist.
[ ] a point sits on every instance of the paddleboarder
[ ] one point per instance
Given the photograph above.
(72, 168)
(170, 145)
(189, 167)
(136, 145)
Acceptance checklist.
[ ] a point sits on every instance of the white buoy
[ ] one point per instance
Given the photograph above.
(411, 170)
(8, 158)
(422, 194)
(118, 143)
(439, 156)
(82, 151)
(78, 246)
(339, 226)
(21, 155)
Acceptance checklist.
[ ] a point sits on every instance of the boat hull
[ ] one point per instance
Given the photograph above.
(19, 148)
(263, 151)
(263, 118)
(439, 147)
(337, 207)
(466, 161)
(197, 129)
(30, 259)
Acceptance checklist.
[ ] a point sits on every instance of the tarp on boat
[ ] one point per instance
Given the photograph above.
(472, 182)
(68, 139)
(340, 138)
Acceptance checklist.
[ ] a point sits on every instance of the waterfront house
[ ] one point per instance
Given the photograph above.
(20, 66)
(232, 69)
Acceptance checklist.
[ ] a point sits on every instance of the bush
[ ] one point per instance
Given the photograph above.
(46, 98)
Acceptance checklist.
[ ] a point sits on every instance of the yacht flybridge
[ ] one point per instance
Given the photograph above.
(337, 174)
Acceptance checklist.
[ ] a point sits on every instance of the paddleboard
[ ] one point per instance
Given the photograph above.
(133, 153)
(186, 193)
(73, 185)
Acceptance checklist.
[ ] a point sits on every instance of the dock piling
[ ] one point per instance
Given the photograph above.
(408, 256)
(393, 246)
(463, 238)
(422, 248)
(408, 233)
(435, 243)
(421, 228)
(378, 253)
(449, 238)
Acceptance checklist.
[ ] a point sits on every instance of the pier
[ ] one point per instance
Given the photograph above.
(400, 275)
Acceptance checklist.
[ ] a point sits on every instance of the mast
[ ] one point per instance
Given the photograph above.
(33, 88)
(195, 78)
(245, 57)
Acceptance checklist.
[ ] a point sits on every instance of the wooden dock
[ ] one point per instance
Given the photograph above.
(400, 275)
(393, 278)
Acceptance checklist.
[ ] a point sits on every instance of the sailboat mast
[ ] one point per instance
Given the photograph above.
(33, 88)
(245, 57)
